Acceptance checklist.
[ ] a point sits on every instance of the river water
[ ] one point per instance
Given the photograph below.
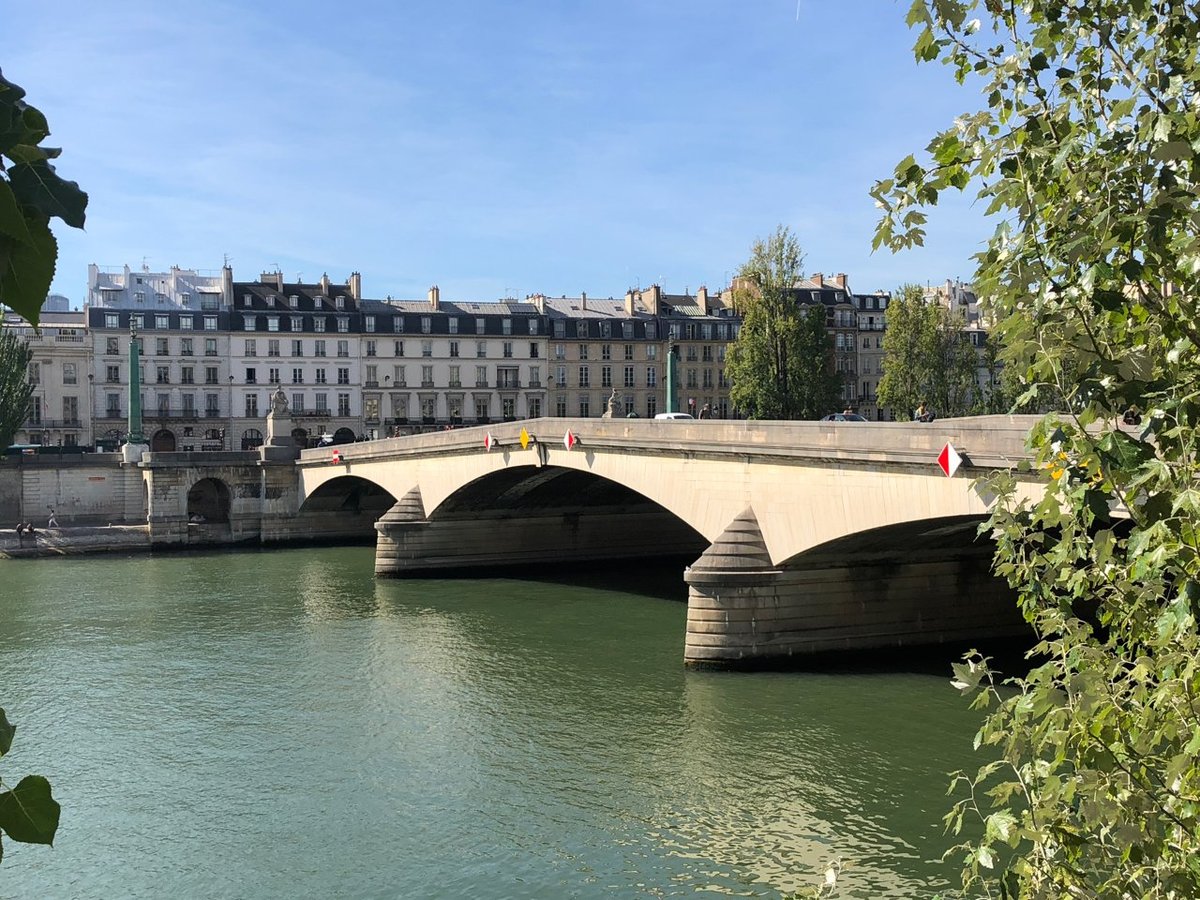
(282, 724)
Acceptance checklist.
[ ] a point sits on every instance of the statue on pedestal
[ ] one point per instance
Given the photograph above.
(612, 405)
(279, 443)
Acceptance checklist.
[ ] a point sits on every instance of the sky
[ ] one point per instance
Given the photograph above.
(496, 149)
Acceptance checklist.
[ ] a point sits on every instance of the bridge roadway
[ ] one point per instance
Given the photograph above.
(806, 536)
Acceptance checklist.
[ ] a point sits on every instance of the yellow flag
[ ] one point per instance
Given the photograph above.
(524, 438)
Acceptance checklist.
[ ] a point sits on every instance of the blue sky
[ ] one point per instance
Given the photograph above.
(495, 149)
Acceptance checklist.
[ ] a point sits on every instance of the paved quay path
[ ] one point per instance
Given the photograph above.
(74, 540)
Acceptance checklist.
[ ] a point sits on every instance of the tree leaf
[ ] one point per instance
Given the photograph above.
(28, 813)
(7, 730)
(25, 281)
(12, 220)
(36, 184)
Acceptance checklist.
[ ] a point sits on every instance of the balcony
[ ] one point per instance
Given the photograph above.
(43, 424)
(426, 384)
(164, 412)
(371, 384)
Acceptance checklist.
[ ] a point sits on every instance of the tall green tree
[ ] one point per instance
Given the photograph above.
(926, 358)
(16, 389)
(31, 194)
(780, 364)
(1087, 151)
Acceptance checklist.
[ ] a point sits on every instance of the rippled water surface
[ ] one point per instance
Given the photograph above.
(284, 725)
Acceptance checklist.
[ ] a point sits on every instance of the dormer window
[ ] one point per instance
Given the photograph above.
(247, 300)
(294, 302)
(270, 300)
(339, 302)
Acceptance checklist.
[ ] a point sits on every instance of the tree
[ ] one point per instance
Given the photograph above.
(15, 387)
(926, 358)
(27, 812)
(31, 194)
(780, 363)
(1088, 151)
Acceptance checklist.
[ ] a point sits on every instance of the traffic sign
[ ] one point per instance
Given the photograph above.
(569, 440)
(489, 442)
(949, 459)
(524, 438)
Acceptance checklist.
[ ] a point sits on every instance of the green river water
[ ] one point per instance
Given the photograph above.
(282, 724)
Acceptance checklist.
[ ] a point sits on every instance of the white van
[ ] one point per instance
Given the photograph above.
(674, 416)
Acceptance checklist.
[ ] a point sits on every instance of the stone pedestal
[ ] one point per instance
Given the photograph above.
(279, 445)
(131, 454)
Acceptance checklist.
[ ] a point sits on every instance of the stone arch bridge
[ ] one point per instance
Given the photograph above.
(806, 536)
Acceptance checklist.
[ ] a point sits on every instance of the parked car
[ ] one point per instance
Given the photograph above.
(844, 417)
(674, 416)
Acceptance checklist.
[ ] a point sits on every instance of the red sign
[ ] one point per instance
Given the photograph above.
(569, 440)
(337, 456)
(949, 459)
(489, 442)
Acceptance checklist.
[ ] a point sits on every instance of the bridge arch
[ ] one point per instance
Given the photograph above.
(208, 500)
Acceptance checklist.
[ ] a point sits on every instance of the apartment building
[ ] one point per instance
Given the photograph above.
(60, 413)
(872, 323)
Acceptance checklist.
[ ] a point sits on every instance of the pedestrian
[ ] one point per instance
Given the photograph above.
(706, 411)
(53, 523)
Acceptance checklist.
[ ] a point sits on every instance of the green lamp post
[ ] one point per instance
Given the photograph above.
(135, 391)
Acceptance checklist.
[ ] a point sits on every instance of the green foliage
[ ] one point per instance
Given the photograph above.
(31, 194)
(926, 358)
(780, 364)
(15, 386)
(28, 813)
(1088, 152)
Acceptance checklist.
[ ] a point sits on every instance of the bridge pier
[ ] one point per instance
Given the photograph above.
(743, 613)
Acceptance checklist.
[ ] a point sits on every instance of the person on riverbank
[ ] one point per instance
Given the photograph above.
(53, 522)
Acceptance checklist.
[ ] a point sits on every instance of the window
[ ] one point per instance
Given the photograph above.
(482, 408)
(70, 410)
(508, 349)
(426, 376)
(560, 330)
(112, 374)
(535, 376)
(273, 372)
(189, 404)
(606, 376)
(210, 346)
(533, 326)
(139, 296)
(651, 351)
(112, 320)
(455, 377)
(651, 331)
(560, 377)
(163, 322)
(319, 324)
(161, 347)
(210, 323)
(273, 347)
(480, 326)
(560, 351)
(481, 376)
(506, 326)
(651, 406)
(210, 374)
(533, 350)
(211, 406)
(371, 348)
(426, 324)
(343, 376)
(606, 351)
(401, 379)
(339, 302)
(321, 402)
(320, 376)
(251, 376)
(251, 406)
(139, 321)
(427, 348)
(585, 406)
(343, 348)
(249, 323)
(452, 325)
(187, 375)
(629, 382)
(629, 351)
(297, 348)
(398, 324)
(271, 300)
(581, 329)
(319, 348)
(627, 330)
(583, 351)
(185, 347)
(296, 323)
(343, 405)
(111, 347)
(585, 376)
(651, 376)
(162, 375)
(293, 301)
(454, 348)
(297, 402)
(297, 376)
(481, 349)
(112, 406)
(560, 405)
(372, 375)
(343, 324)
(398, 348)
(534, 405)
(368, 323)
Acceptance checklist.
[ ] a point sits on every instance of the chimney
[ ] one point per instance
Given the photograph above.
(539, 300)
(840, 280)
(702, 298)
(582, 300)
(325, 283)
(227, 285)
(818, 279)
(655, 302)
(629, 303)
(354, 282)
(435, 297)
(275, 278)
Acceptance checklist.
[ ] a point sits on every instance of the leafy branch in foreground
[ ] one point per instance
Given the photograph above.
(31, 194)
(1087, 152)
(27, 812)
